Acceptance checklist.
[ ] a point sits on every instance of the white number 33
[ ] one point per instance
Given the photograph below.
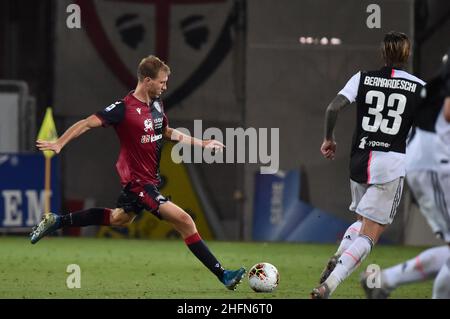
(383, 123)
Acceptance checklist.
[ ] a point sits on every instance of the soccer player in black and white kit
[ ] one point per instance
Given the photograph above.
(387, 100)
(428, 176)
(441, 287)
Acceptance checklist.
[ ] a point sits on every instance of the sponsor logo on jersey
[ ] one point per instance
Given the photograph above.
(112, 106)
(378, 144)
(158, 123)
(148, 125)
(154, 138)
(139, 110)
(363, 143)
(147, 138)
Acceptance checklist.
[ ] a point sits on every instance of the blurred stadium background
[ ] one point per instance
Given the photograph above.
(235, 63)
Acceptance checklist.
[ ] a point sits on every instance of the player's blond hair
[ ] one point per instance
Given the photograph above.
(150, 67)
(395, 49)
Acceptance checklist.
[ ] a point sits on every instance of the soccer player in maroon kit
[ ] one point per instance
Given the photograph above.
(141, 125)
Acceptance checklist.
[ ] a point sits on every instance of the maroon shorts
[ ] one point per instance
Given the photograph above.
(135, 198)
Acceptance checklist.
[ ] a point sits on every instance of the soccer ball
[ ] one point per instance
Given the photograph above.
(263, 277)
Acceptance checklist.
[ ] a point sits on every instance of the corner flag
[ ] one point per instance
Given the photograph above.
(48, 131)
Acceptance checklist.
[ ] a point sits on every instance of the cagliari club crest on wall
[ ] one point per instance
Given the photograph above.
(192, 36)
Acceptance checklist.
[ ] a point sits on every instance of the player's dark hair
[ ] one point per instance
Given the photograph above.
(150, 67)
(395, 49)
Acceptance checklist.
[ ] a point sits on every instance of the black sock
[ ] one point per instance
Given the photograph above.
(92, 216)
(201, 251)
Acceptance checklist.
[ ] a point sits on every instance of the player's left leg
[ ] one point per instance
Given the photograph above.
(51, 222)
(128, 204)
(184, 224)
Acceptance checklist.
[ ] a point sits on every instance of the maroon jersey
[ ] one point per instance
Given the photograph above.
(139, 127)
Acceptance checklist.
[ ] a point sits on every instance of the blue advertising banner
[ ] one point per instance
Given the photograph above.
(280, 215)
(22, 179)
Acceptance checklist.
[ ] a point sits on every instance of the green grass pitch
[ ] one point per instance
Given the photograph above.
(114, 268)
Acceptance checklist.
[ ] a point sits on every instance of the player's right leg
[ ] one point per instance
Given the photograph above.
(184, 224)
(357, 190)
(350, 259)
(350, 234)
(377, 207)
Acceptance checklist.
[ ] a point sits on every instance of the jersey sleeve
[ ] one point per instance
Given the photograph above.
(350, 90)
(112, 114)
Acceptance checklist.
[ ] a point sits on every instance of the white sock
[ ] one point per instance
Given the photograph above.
(441, 286)
(349, 261)
(350, 235)
(424, 266)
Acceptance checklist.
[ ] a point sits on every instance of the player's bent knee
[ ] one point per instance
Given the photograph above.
(187, 220)
(185, 225)
(119, 217)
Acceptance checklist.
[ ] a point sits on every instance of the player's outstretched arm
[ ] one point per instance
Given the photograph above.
(72, 132)
(177, 136)
(328, 147)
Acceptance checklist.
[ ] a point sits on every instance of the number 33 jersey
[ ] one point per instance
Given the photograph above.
(387, 101)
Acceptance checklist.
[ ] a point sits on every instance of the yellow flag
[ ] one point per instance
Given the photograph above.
(48, 131)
